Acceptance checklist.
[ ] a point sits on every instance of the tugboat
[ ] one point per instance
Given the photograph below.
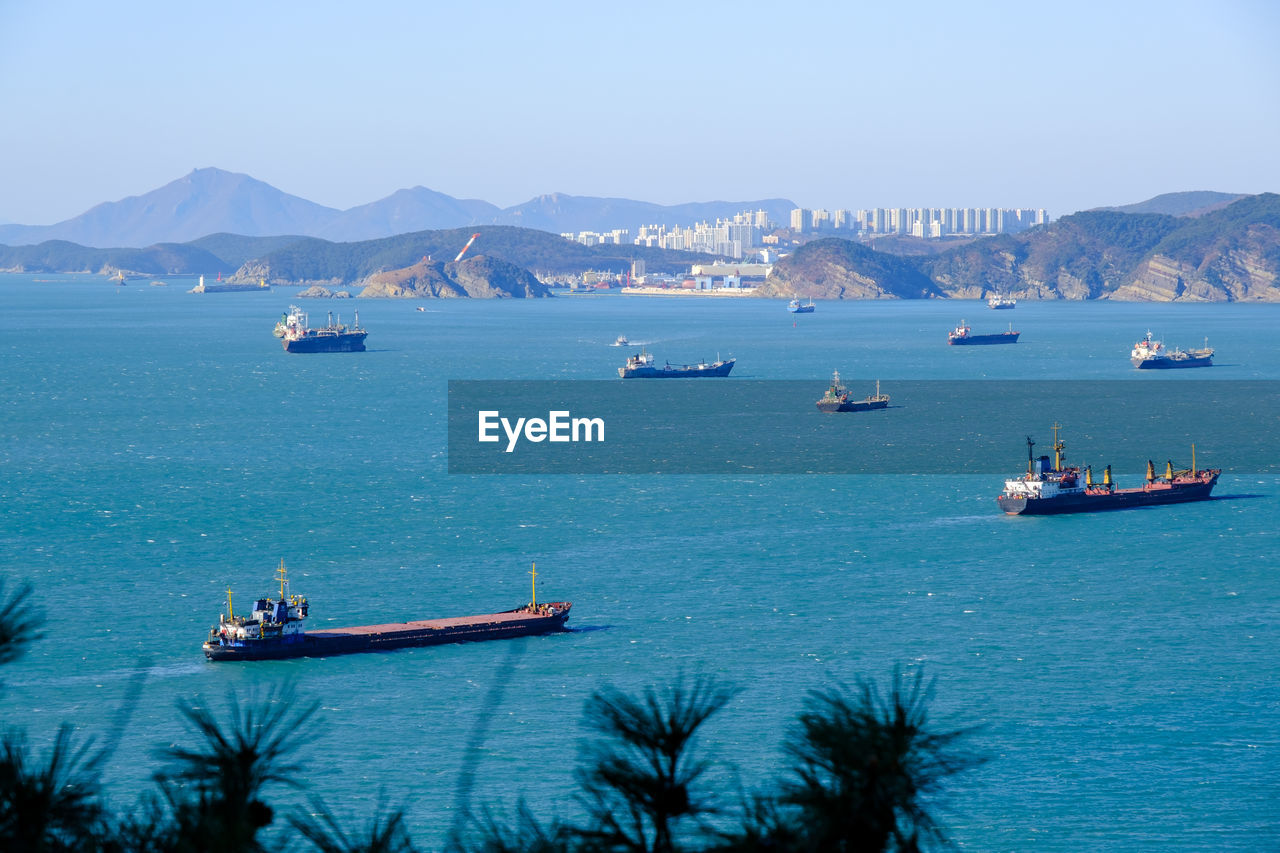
(335, 337)
(640, 366)
(837, 398)
(962, 335)
(274, 629)
(1000, 302)
(795, 307)
(1151, 355)
(1051, 490)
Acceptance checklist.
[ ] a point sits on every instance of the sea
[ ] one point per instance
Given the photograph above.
(1116, 673)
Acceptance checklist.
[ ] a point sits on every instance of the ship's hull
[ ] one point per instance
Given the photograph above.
(346, 342)
(852, 405)
(377, 638)
(803, 309)
(1119, 499)
(683, 372)
(980, 340)
(1172, 363)
(1000, 307)
(231, 288)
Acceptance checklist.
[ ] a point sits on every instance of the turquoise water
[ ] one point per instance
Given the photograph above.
(157, 446)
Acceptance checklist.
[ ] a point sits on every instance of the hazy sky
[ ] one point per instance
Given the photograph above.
(843, 104)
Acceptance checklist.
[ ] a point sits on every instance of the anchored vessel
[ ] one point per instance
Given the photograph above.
(837, 398)
(274, 629)
(962, 335)
(296, 336)
(999, 302)
(227, 287)
(1151, 355)
(640, 366)
(796, 308)
(1049, 490)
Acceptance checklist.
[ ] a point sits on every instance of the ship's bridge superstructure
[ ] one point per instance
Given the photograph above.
(281, 617)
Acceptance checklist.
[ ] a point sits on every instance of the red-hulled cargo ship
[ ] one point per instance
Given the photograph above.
(1051, 490)
(274, 629)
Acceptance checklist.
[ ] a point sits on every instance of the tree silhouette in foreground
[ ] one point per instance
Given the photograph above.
(639, 783)
(214, 791)
(863, 767)
(53, 804)
(19, 625)
(386, 833)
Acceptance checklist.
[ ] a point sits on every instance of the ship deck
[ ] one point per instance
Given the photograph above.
(454, 622)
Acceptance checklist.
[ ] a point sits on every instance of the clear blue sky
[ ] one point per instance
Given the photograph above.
(840, 104)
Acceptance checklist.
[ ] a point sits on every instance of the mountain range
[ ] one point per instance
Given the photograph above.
(213, 201)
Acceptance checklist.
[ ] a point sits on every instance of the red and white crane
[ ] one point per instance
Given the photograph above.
(464, 248)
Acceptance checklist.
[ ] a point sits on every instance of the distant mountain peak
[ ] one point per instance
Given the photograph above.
(1193, 203)
(208, 200)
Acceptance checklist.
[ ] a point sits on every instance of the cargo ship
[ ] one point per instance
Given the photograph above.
(228, 287)
(999, 302)
(335, 337)
(796, 308)
(1151, 355)
(1052, 489)
(640, 366)
(963, 335)
(275, 629)
(837, 398)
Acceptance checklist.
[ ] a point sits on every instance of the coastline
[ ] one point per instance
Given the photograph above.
(672, 291)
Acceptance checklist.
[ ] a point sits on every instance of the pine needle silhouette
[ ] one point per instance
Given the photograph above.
(385, 833)
(639, 783)
(215, 790)
(863, 767)
(19, 623)
(50, 805)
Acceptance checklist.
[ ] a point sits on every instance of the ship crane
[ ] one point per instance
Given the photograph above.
(464, 248)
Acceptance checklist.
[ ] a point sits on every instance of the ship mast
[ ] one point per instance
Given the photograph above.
(1058, 447)
(230, 607)
(1031, 460)
(282, 576)
(534, 603)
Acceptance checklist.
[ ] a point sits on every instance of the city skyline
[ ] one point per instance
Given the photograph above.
(733, 238)
(826, 105)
